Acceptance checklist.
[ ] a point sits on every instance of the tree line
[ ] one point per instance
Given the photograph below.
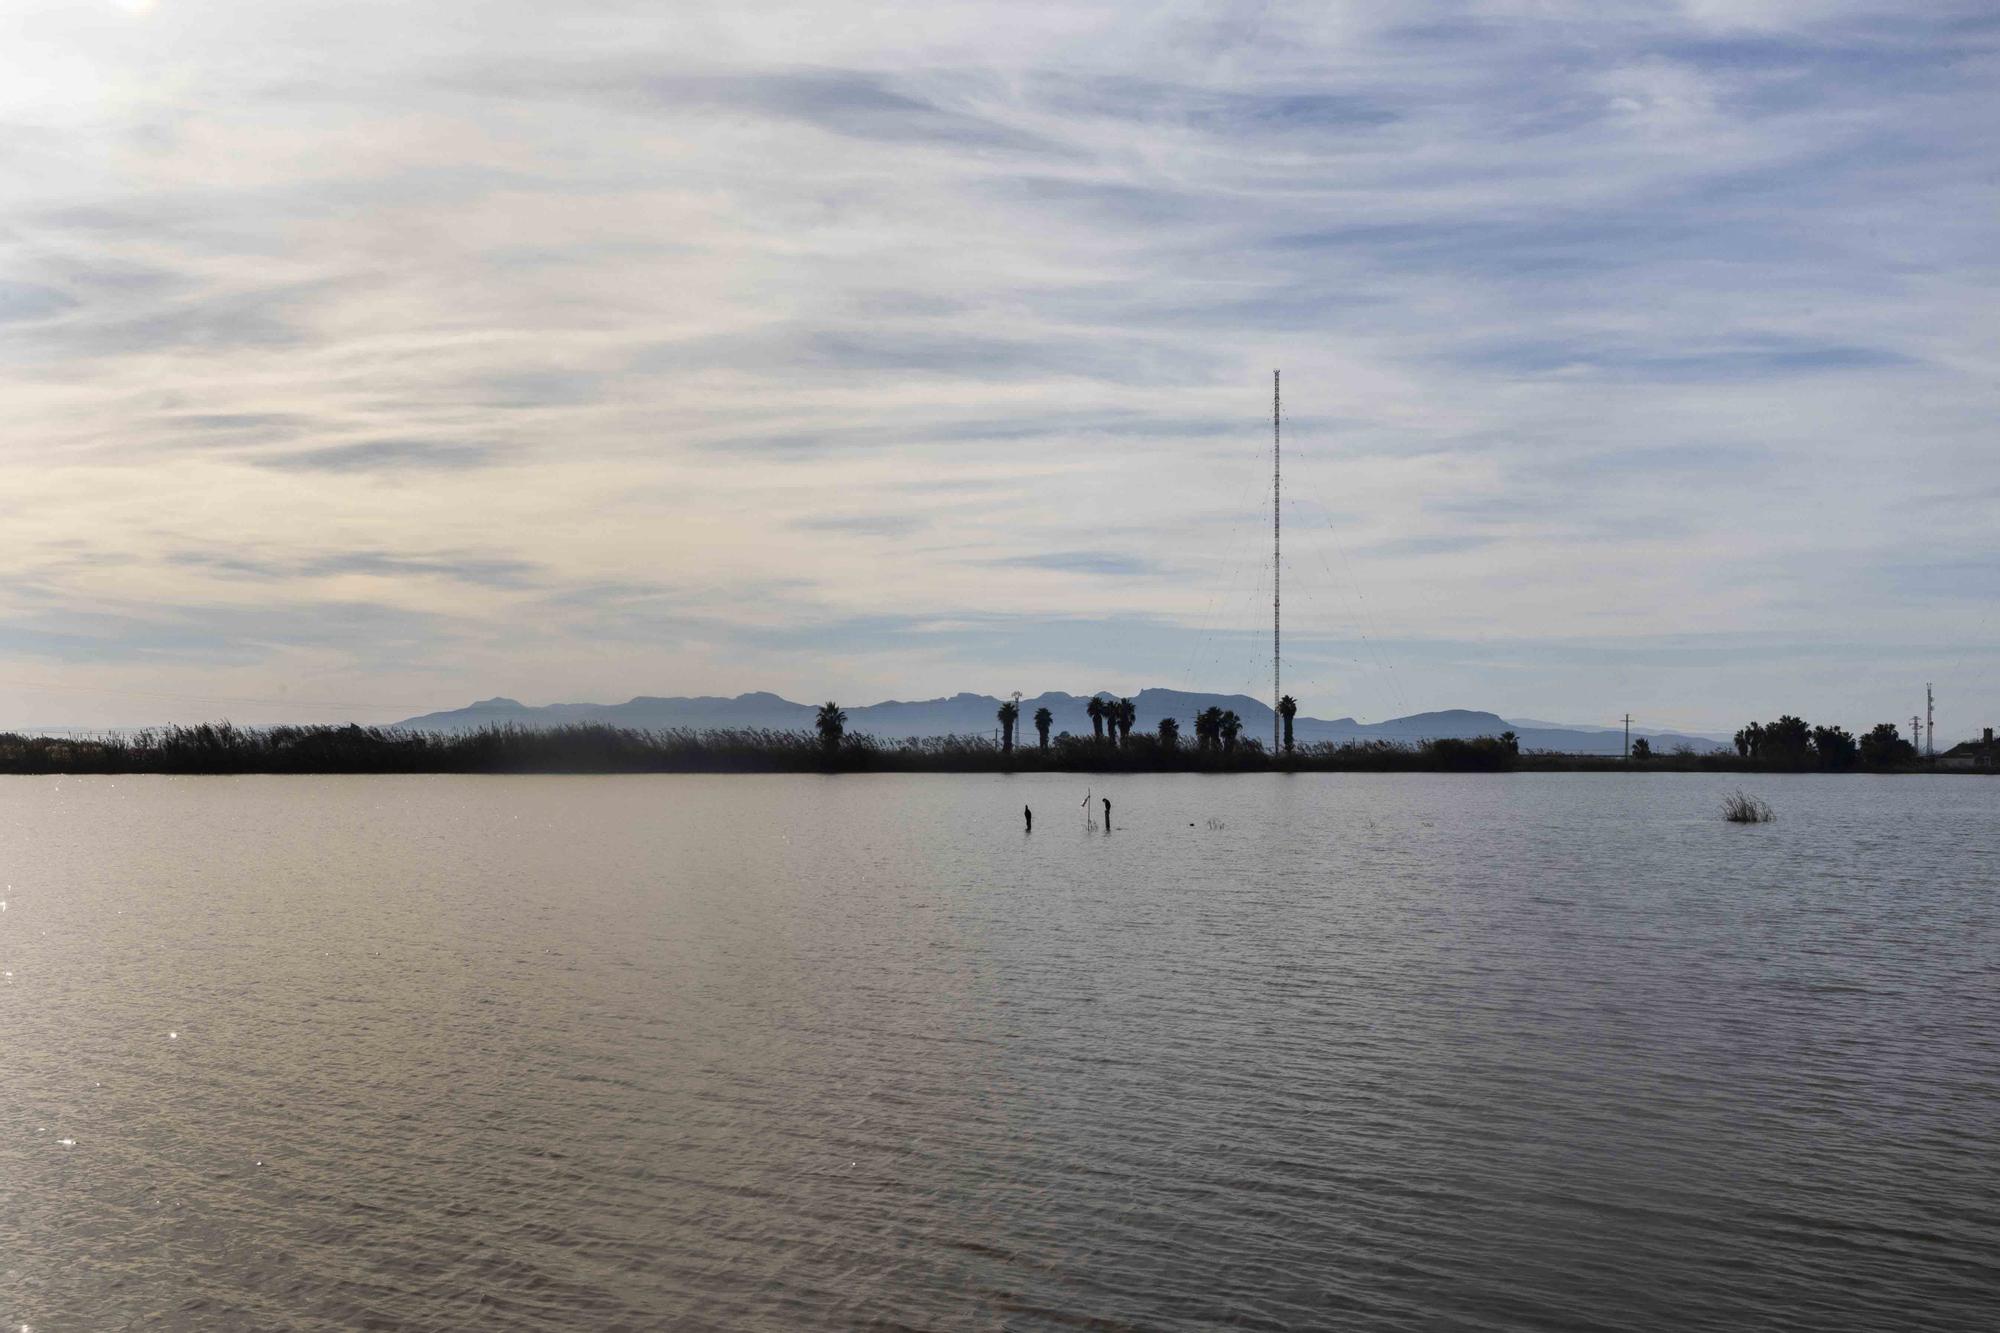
(1790, 742)
(1219, 742)
(1216, 729)
(1114, 744)
(223, 748)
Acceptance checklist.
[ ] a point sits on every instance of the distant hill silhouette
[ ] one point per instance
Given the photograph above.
(973, 715)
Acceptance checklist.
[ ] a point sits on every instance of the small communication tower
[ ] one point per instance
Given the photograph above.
(1277, 573)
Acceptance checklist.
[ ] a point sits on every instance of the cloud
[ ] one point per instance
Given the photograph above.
(380, 456)
(832, 355)
(486, 572)
(1039, 428)
(852, 103)
(1750, 358)
(1079, 562)
(882, 351)
(26, 301)
(1226, 113)
(1421, 546)
(864, 525)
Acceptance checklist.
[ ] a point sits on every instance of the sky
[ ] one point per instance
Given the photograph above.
(367, 358)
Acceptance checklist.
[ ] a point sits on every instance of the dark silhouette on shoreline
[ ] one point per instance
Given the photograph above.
(594, 748)
(1789, 743)
(968, 714)
(832, 726)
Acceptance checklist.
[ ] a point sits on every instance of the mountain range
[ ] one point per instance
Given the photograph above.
(973, 714)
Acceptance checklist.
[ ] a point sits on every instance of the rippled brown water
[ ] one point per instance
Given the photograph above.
(1380, 1052)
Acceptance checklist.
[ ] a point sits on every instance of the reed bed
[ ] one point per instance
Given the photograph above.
(223, 748)
(1741, 809)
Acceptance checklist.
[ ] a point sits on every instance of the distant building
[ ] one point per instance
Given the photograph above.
(1982, 753)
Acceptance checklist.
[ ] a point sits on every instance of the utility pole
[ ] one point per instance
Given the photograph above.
(1277, 572)
(1628, 738)
(1930, 723)
(1916, 733)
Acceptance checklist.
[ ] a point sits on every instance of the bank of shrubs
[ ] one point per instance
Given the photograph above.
(220, 748)
(1791, 743)
(1787, 744)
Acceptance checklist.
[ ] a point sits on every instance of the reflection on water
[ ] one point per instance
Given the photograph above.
(1415, 1051)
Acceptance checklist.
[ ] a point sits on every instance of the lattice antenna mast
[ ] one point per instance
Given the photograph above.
(1277, 569)
(1930, 723)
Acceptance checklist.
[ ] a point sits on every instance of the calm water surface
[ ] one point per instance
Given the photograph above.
(1373, 1052)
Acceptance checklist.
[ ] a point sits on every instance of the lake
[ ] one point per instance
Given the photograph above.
(1416, 1051)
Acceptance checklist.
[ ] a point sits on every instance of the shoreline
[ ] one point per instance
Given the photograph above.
(225, 750)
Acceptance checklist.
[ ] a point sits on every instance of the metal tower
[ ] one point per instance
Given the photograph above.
(1277, 682)
(1930, 722)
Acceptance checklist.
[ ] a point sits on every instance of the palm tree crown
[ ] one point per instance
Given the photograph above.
(832, 724)
(1288, 708)
(1010, 713)
(1208, 727)
(1096, 710)
(1044, 719)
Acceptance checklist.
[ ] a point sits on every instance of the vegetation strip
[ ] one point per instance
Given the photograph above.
(221, 748)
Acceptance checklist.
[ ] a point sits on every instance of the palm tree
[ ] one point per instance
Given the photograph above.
(1229, 727)
(1170, 734)
(832, 724)
(1126, 716)
(1010, 713)
(1044, 719)
(1096, 710)
(1288, 708)
(1208, 727)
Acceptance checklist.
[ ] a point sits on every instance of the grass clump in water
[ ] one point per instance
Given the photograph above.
(1741, 809)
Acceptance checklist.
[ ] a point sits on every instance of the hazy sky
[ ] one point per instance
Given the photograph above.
(371, 357)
